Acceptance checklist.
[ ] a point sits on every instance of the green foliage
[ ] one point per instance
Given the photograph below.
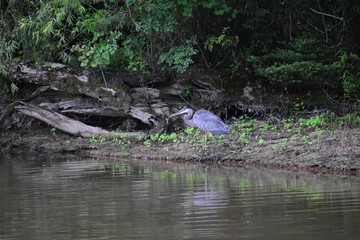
(13, 88)
(179, 58)
(138, 35)
(292, 63)
(189, 130)
(305, 61)
(350, 119)
(3, 71)
(296, 72)
(221, 40)
(98, 54)
(49, 29)
(348, 68)
(53, 131)
(314, 122)
(186, 94)
(242, 138)
(7, 48)
(99, 139)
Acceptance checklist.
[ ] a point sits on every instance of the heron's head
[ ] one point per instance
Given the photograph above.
(186, 112)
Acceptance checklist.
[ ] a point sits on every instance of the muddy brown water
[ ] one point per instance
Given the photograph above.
(72, 197)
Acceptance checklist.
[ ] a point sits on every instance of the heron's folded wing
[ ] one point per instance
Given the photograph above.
(207, 121)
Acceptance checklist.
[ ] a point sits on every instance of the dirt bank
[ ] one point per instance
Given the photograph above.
(319, 151)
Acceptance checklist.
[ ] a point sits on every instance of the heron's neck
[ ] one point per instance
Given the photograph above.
(189, 122)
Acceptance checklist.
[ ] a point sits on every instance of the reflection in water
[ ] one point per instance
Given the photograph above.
(69, 197)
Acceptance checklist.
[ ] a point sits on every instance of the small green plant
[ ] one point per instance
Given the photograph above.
(294, 137)
(260, 139)
(186, 93)
(162, 138)
(305, 139)
(189, 130)
(242, 138)
(313, 122)
(267, 127)
(172, 136)
(201, 140)
(312, 141)
(281, 143)
(197, 133)
(141, 138)
(222, 40)
(154, 137)
(101, 139)
(299, 107)
(13, 89)
(351, 119)
(53, 131)
(309, 140)
(219, 142)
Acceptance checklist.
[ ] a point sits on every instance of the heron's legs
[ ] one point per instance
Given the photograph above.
(203, 148)
(217, 150)
(214, 156)
(217, 155)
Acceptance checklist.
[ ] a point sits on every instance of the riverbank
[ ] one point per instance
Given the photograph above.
(295, 146)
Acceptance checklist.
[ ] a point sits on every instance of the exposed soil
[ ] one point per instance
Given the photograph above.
(336, 151)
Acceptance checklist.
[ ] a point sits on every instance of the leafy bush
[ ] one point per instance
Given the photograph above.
(306, 62)
(348, 69)
(134, 34)
(179, 58)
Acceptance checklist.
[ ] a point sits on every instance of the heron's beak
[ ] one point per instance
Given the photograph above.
(176, 114)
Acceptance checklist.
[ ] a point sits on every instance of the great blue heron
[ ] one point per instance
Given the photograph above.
(204, 120)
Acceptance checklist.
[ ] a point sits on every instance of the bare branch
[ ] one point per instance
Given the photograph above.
(327, 15)
(323, 19)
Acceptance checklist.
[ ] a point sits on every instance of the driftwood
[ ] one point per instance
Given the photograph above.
(81, 106)
(64, 123)
(59, 89)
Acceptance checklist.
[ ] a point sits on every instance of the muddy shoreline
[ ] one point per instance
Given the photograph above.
(335, 154)
(312, 141)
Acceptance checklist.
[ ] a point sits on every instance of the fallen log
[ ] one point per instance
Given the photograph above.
(66, 124)
(78, 105)
(61, 90)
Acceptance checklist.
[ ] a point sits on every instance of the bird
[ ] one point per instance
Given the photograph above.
(204, 120)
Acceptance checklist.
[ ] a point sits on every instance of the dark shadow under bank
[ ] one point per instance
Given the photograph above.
(338, 155)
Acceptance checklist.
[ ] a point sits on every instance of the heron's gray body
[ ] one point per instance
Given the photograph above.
(204, 120)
